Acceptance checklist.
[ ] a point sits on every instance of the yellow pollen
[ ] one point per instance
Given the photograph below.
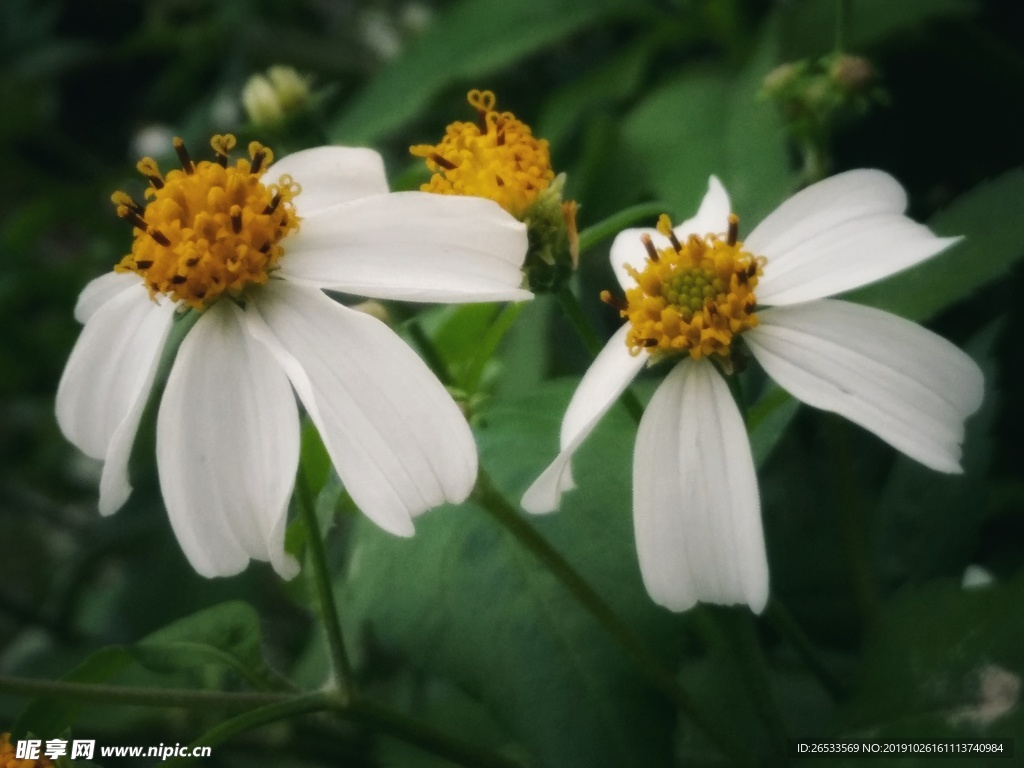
(210, 229)
(9, 759)
(692, 297)
(499, 158)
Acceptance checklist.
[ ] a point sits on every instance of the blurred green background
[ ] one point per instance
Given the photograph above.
(641, 100)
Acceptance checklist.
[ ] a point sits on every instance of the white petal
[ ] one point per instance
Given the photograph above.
(329, 176)
(100, 290)
(836, 235)
(910, 387)
(696, 508)
(711, 218)
(107, 381)
(396, 437)
(412, 246)
(606, 379)
(228, 448)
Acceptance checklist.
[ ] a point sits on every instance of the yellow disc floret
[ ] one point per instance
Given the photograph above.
(211, 228)
(691, 297)
(10, 759)
(499, 158)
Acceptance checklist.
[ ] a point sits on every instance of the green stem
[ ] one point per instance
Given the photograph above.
(852, 520)
(141, 697)
(488, 496)
(788, 627)
(736, 388)
(741, 633)
(380, 718)
(618, 221)
(423, 736)
(325, 595)
(432, 357)
(842, 24)
(254, 718)
(578, 319)
(490, 341)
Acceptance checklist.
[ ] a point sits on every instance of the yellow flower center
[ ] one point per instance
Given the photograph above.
(693, 297)
(9, 759)
(499, 159)
(210, 228)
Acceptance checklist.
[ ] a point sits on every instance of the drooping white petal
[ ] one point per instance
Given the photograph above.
(398, 440)
(412, 246)
(100, 290)
(910, 387)
(107, 380)
(330, 176)
(711, 217)
(228, 448)
(696, 509)
(836, 235)
(606, 379)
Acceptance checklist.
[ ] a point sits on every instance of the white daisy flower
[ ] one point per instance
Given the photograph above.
(689, 293)
(240, 243)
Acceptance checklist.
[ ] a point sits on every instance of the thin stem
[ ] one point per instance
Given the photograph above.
(615, 223)
(788, 627)
(423, 736)
(490, 341)
(387, 721)
(856, 547)
(271, 713)
(578, 319)
(736, 388)
(141, 697)
(264, 708)
(752, 659)
(488, 496)
(432, 357)
(325, 595)
(842, 24)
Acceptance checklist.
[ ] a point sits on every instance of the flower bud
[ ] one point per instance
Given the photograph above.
(269, 99)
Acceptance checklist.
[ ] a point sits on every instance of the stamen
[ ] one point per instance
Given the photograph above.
(222, 146)
(178, 279)
(259, 155)
(649, 342)
(274, 202)
(186, 162)
(614, 301)
(665, 227)
(124, 199)
(147, 167)
(444, 162)
(652, 252)
(130, 215)
(236, 218)
(140, 223)
(734, 228)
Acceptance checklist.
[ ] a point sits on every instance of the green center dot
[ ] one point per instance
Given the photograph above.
(690, 289)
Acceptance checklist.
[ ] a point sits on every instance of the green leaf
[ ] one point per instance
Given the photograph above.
(464, 601)
(768, 419)
(227, 635)
(927, 523)
(599, 90)
(48, 718)
(697, 125)
(943, 662)
(989, 220)
(469, 40)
